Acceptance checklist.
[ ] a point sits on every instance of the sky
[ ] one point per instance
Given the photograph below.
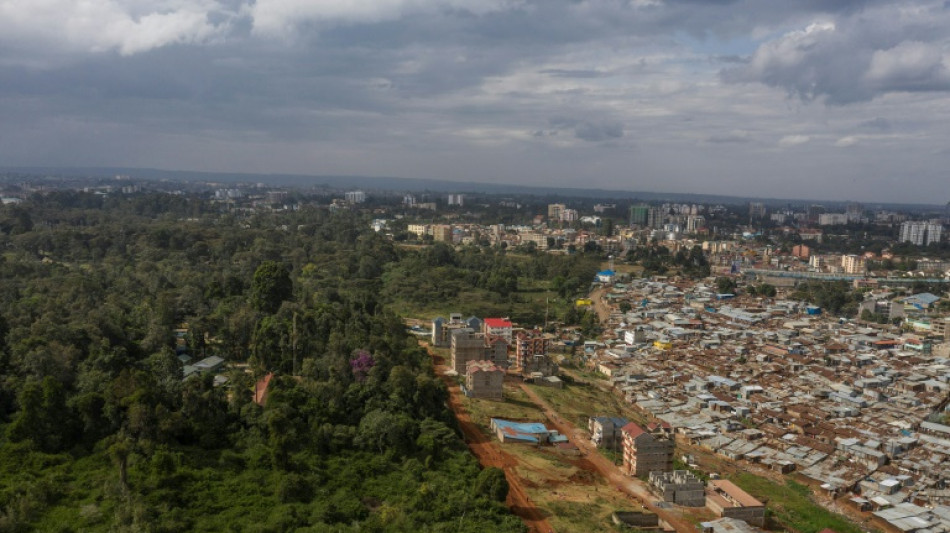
(823, 99)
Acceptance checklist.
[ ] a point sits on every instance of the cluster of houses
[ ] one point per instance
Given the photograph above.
(482, 351)
(648, 453)
(856, 409)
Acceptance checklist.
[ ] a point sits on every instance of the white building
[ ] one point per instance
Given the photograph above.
(832, 219)
(921, 233)
(355, 197)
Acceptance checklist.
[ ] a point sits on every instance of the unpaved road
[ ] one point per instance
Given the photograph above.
(611, 472)
(490, 454)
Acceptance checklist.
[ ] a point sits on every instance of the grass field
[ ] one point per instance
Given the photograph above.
(791, 505)
(578, 402)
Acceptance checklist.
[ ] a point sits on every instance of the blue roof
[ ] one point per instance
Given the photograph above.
(925, 299)
(527, 431)
(606, 273)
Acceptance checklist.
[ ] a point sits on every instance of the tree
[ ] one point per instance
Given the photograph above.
(491, 483)
(725, 285)
(271, 286)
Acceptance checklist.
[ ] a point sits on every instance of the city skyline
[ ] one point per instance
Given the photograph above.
(840, 100)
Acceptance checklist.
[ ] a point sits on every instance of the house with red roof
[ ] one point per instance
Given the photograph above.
(498, 327)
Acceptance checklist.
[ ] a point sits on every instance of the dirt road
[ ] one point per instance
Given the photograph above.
(611, 472)
(490, 454)
(600, 307)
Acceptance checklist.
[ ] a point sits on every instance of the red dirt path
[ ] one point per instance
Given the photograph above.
(489, 454)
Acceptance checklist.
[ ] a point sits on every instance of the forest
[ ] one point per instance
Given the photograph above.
(102, 298)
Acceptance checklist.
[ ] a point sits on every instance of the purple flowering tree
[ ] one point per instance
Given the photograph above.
(362, 364)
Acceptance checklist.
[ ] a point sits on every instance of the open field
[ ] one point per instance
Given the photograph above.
(567, 489)
(791, 505)
(579, 401)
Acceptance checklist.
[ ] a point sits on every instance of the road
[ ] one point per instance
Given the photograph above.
(611, 472)
(489, 453)
(600, 307)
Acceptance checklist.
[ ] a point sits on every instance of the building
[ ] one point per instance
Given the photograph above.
(729, 501)
(355, 197)
(853, 264)
(832, 219)
(569, 215)
(694, 223)
(442, 328)
(527, 345)
(409, 200)
(656, 217)
(801, 251)
(605, 431)
(644, 452)
(539, 239)
(467, 345)
(484, 379)
(921, 233)
(419, 230)
(538, 366)
(941, 328)
(554, 211)
(457, 199)
(442, 233)
(498, 327)
(523, 432)
(639, 214)
(680, 487)
(756, 210)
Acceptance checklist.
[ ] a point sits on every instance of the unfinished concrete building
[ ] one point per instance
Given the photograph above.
(470, 346)
(605, 431)
(645, 452)
(483, 379)
(680, 487)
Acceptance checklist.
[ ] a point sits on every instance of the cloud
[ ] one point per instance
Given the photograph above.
(876, 123)
(793, 140)
(856, 56)
(729, 138)
(35, 27)
(846, 141)
(278, 16)
(590, 131)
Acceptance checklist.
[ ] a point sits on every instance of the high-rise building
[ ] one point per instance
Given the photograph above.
(457, 199)
(569, 215)
(554, 211)
(757, 210)
(639, 214)
(355, 197)
(656, 217)
(442, 233)
(921, 233)
(694, 222)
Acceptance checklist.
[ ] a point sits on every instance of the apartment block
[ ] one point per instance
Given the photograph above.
(644, 452)
(527, 345)
(605, 431)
